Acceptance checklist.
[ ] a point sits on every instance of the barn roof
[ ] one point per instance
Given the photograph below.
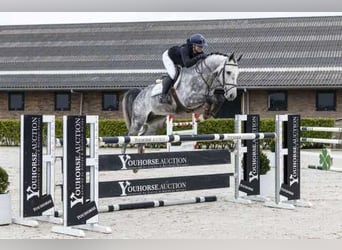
(299, 52)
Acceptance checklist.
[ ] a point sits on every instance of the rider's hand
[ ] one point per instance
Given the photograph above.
(201, 56)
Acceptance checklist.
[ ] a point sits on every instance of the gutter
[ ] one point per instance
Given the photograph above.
(159, 71)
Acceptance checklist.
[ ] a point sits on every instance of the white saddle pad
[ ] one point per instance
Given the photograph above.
(158, 88)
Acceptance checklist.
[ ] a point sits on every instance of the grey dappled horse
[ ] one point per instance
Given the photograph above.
(143, 112)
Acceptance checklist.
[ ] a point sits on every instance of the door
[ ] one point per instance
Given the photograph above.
(230, 108)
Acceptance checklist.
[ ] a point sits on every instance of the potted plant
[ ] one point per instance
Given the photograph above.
(5, 198)
(264, 163)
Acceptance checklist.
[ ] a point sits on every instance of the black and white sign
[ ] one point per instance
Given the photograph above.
(250, 184)
(163, 160)
(79, 209)
(35, 202)
(291, 186)
(162, 185)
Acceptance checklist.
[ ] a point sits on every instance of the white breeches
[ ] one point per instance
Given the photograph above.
(169, 65)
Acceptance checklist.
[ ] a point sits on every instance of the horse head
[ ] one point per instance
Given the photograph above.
(226, 75)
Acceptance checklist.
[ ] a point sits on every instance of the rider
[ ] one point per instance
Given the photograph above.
(185, 55)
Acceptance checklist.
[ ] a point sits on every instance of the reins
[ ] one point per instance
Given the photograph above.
(213, 77)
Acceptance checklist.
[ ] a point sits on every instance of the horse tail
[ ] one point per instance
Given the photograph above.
(127, 104)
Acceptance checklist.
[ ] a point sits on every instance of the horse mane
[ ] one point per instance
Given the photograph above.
(217, 53)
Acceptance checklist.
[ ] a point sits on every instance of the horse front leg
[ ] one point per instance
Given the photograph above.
(123, 148)
(217, 105)
(213, 105)
(141, 146)
(133, 131)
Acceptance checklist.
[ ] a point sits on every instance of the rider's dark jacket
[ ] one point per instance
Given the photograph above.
(184, 56)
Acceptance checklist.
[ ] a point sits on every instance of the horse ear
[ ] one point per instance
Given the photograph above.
(232, 56)
(239, 58)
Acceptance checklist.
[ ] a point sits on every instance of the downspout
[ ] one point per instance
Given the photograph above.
(81, 100)
(81, 104)
(243, 102)
(247, 102)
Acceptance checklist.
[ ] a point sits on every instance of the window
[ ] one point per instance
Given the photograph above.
(110, 101)
(326, 101)
(16, 101)
(277, 101)
(62, 101)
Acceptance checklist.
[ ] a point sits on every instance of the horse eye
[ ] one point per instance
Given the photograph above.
(229, 73)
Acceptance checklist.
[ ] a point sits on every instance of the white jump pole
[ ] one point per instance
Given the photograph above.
(321, 140)
(239, 151)
(321, 129)
(170, 124)
(177, 138)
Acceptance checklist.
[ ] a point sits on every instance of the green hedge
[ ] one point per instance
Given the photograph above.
(10, 130)
(214, 126)
(112, 127)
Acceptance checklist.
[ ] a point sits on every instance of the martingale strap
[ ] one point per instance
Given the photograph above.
(180, 106)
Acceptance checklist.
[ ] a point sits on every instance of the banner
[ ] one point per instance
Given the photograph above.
(163, 160)
(162, 185)
(35, 202)
(250, 184)
(79, 208)
(291, 186)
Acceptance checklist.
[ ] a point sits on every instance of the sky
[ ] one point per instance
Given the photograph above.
(20, 18)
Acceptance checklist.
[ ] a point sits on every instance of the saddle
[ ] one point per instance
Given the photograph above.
(157, 90)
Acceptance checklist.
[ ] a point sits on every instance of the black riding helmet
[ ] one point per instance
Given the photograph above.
(198, 39)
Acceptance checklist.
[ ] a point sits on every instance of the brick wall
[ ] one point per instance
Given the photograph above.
(301, 102)
(43, 102)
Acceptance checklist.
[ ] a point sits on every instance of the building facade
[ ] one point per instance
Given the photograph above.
(289, 65)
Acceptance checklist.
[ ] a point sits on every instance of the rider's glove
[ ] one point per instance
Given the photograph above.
(201, 56)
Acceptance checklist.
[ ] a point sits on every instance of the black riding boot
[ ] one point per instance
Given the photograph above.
(167, 84)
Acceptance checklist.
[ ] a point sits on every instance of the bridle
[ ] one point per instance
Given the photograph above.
(215, 77)
(224, 83)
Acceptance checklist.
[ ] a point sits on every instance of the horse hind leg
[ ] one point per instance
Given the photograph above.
(135, 129)
(149, 129)
(153, 126)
